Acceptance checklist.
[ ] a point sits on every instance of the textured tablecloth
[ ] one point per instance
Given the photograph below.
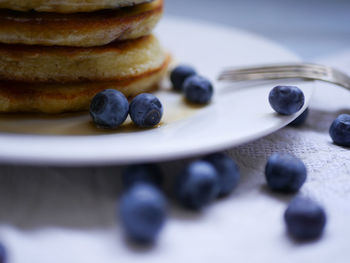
(62, 215)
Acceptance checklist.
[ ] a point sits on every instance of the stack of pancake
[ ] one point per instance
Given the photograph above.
(55, 55)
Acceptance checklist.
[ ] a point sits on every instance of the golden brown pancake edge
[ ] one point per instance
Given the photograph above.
(67, 6)
(70, 97)
(113, 62)
(79, 30)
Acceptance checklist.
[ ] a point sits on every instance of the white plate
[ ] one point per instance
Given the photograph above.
(236, 115)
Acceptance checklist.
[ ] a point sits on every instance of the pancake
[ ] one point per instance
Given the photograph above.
(69, 97)
(113, 62)
(79, 30)
(66, 6)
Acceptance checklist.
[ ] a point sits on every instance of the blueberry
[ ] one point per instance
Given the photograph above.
(149, 173)
(146, 110)
(340, 130)
(285, 173)
(179, 75)
(3, 254)
(198, 89)
(305, 219)
(301, 119)
(286, 100)
(227, 170)
(109, 109)
(198, 185)
(143, 212)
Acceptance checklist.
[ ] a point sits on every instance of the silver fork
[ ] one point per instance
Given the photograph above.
(285, 71)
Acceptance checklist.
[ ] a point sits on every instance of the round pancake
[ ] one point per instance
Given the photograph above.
(79, 30)
(113, 62)
(66, 6)
(69, 97)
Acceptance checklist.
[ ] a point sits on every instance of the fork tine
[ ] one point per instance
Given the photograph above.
(247, 75)
(271, 75)
(276, 70)
(292, 68)
(278, 67)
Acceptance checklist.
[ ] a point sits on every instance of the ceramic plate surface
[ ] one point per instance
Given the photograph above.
(237, 114)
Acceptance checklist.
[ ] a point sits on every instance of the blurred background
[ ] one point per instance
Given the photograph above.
(311, 28)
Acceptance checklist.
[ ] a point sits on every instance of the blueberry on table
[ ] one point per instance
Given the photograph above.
(179, 74)
(227, 171)
(109, 109)
(301, 119)
(198, 89)
(285, 173)
(148, 173)
(198, 185)
(286, 100)
(143, 212)
(305, 219)
(340, 130)
(146, 110)
(3, 254)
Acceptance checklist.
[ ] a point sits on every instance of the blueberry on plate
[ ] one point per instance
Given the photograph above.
(286, 100)
(340, 130)
(301, 119)
(146, 110)
(179, 74)
(198, 185)
(227, 171)
(148, 173)
(305, 219)
(285, 173)
(109, 109)
(3, 254)
(198, 89)
(143, 212)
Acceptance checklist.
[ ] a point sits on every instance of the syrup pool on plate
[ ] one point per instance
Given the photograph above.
(175, 109)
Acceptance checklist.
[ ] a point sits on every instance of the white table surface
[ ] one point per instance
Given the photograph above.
(52, 199)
